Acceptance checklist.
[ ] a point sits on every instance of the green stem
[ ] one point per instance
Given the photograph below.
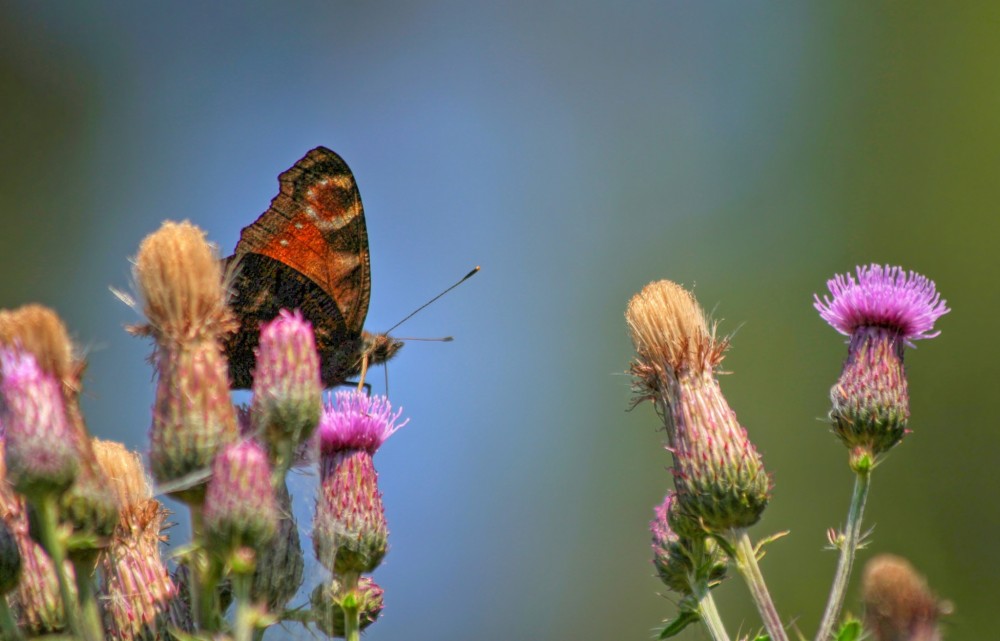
(848, 547)
(88, 600)
(48, 524)
(7, 623)
(352, 610)
(202, 576)
(243, 624)
(708, 612)
(746, 563)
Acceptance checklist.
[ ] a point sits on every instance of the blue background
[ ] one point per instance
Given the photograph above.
(576, 151)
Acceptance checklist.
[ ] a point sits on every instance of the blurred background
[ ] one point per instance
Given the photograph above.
(576, 152)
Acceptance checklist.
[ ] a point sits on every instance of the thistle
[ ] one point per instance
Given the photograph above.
(240, 510)
(719, 476)
(180, 279)
(141, 601)
(349, 528)
(286, 387)
(884, 310)
(41, 449)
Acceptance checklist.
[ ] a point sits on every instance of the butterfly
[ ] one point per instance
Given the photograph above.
(308, 251)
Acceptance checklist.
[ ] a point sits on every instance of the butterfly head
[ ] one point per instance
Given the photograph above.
(379, 348)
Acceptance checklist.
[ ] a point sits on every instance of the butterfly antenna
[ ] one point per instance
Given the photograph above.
(414, 312)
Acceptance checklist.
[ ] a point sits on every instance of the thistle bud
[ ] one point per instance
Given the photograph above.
(349, 528)
(682, 560)
(882, 311)
(327, 605)
(193, 418)
(719, 476)
(898, 604)
(41, 449)
(240, 509)
(286, 385)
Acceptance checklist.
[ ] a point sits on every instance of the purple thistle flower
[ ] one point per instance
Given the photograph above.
(882, 311)
(888, 297)
(356, 421)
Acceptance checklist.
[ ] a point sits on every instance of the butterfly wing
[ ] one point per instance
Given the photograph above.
(309, 251)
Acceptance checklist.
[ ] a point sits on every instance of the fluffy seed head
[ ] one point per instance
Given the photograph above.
(39, 331)
(888, 297)
(179, 277)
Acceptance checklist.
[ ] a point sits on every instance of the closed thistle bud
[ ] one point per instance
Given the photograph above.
(898, 604)
(193, 418)
(240, 509)
(41, 449)
(287, 392)
(682, 560)
(719, 476)
(327, 605)
(10, 560)
(882, 311)
(349, 528)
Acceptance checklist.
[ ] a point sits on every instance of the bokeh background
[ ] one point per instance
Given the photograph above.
(576, 151)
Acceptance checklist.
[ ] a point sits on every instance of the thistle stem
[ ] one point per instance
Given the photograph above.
(91, 616)
(352, 610)
(7, 623)
(848, 547)
(48, 523)
(243, 628)
(708, 612)
(746, 564)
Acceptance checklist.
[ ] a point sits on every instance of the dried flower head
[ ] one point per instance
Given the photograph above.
(141, 601)
(883, 310)
(898, 604)
(179, 275)
(39, 331)
(719, 476)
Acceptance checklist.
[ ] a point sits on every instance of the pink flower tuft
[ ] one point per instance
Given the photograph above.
(356, 421)
(887, 297)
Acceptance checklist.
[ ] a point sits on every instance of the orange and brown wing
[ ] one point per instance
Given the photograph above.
(316, 226)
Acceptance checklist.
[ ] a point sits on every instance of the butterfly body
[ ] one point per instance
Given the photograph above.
(308, 251)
